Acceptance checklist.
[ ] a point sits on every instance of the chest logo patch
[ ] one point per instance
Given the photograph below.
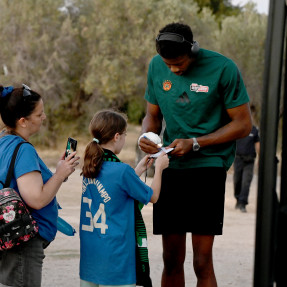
(199, 88)
(166, 85)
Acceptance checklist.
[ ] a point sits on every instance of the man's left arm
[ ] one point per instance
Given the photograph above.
(239, 127)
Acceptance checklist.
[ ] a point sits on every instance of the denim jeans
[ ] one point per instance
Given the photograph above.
(21, 266)
(242, 177)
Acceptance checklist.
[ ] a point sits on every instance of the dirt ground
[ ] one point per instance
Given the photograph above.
(233, 251)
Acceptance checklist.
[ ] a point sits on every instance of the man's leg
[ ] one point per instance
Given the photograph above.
(202, 260)
(237, 177)
(246, 182)
(174, 248)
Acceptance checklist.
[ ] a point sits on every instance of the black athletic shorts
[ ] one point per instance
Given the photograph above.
(191, 200)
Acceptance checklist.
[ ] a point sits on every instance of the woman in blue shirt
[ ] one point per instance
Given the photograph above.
(22, 112)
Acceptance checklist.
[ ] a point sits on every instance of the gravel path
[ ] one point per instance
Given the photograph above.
(233, 252)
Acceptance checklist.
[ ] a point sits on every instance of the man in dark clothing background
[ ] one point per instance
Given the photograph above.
(246, 150)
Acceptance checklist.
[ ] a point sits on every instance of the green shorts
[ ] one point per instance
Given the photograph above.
(90, 284)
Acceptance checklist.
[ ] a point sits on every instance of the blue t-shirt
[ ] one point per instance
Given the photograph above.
(28, 160)
(107, 224)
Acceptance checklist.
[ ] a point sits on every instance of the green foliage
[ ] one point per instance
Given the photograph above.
(244, 41)
(220, 8)
(121, 49)
(85, 55)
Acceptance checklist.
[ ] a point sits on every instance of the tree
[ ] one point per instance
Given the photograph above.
(86, 55)
(121, 49)
(244, 41)
(220, 8)
(46, 51)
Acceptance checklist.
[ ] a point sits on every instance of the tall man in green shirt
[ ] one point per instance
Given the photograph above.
(202, 98)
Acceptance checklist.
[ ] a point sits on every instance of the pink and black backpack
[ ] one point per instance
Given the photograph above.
(16, 223)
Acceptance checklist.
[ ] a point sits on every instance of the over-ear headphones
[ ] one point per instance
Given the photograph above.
(167, 36)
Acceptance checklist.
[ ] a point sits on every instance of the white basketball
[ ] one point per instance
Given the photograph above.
(153, 137)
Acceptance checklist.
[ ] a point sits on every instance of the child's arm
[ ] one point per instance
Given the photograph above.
(161, 163)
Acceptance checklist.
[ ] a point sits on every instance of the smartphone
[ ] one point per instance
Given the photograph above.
(71, 146)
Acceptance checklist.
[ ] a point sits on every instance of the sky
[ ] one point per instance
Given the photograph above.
(262, 5)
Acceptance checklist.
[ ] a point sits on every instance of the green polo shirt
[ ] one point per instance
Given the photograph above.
(194, 104)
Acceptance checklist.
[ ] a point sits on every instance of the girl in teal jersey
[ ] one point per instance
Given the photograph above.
(108, 207)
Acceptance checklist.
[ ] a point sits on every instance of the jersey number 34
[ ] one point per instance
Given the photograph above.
(99, 220)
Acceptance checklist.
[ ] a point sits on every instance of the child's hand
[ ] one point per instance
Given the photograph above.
(162, 161)
(144, 164)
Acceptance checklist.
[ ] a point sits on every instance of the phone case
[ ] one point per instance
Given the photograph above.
(71, 146)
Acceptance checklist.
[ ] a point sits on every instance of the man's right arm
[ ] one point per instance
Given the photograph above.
(152, 122)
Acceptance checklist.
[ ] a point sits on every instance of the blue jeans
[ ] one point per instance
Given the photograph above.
(21, 266)
(242, 177)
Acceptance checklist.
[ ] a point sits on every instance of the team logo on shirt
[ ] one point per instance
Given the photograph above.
(166, 85)
(199, 88)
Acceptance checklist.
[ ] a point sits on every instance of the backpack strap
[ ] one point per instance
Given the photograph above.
(11, 167)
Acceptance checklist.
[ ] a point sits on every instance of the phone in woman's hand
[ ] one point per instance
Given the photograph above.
(71, 146)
